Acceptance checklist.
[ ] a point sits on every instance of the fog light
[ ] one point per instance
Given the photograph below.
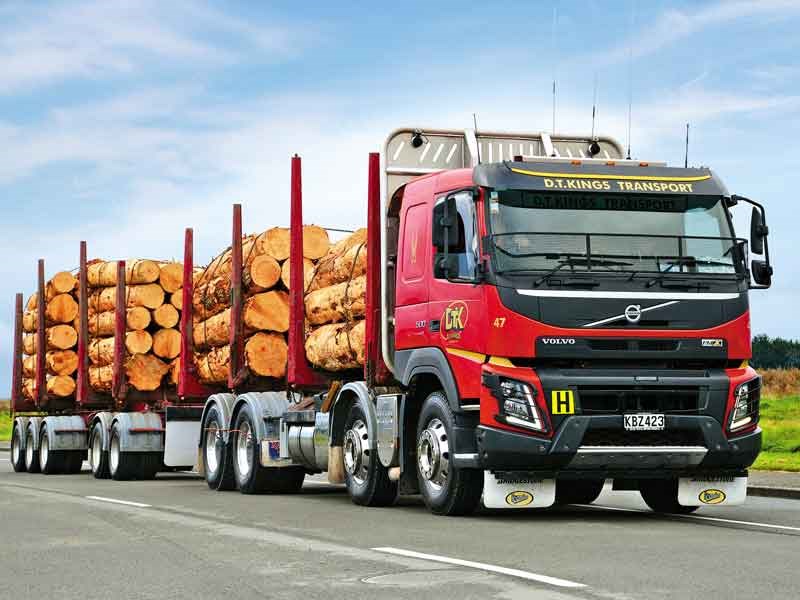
(746, 398)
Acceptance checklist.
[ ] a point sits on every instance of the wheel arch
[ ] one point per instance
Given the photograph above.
(355, 392)
(224, 403)
(65, 432)
(34, 426)
(261, 404)
(20, 424)
(104, 419)
(151, 440)
(424, 365)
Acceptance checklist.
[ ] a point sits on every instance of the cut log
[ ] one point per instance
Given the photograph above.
(138, 342)
(262, 273)
(267, 311)
(266, 354)
(60, 386)
(104, 274)
(336, 303)
(315, 242)
(213, 331)
(176, 299)
(145, 371)
(33, 301)
(211, 298)
(166, 316)
(345, 260)
(61, 309)
(100, 378)
(103, 324)
(61, 362)
(61, 283)
(308, 268)
(101, 352)
(336, 347)
(221, 265)
(175, 371)
(167, 343)
(137, 318)
(274, 242)
(29, 366)
(30, 318)
(29, 389)
(147, 295)
(29, 344)
(61, 337)
(212, 367)
(171, 276)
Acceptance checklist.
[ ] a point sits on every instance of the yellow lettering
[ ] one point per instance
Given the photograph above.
(548, 183)
(606, 185)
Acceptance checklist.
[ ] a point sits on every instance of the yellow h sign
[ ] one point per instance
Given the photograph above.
(562, 402)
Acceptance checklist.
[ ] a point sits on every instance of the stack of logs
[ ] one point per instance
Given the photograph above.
(61, 337)
(154, 297)
(265, 309)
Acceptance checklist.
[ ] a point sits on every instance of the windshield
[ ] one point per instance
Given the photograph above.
(534, 230)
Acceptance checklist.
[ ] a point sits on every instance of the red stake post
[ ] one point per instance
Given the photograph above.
(41, 342)
(18, 402)
(236, 372)
(83, 331)
(118, 384)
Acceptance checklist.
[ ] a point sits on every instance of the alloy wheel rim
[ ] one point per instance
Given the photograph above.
(433, 454)
(356, 452)
(244, 442)
(15, 451)
(96, 454)
(113, 455)
(212, 455)
(29, 452)
(44, 450)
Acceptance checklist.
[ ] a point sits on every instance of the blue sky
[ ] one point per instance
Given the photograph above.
(123, 122)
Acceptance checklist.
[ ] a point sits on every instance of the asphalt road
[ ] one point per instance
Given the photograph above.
(184, 541)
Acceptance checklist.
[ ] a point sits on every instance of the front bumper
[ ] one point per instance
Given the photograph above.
(567, 454)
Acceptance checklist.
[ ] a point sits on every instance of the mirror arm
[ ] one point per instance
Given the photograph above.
(764, 229)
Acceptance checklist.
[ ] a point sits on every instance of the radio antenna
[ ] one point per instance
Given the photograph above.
(686, 155)
(477, 141)
(555, 54)
(594, 105)
(630, 74)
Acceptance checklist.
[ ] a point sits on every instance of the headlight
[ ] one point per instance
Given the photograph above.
(746, 398)
(518, 405)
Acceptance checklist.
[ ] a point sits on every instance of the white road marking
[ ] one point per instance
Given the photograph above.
(697, 517)
(115, 501)
(483, 567)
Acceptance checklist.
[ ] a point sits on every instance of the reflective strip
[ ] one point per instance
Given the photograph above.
(500, 361)
(474, 356)
(629, 295)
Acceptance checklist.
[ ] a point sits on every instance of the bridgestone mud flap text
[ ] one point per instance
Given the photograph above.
(98, 458)
(367, 480)
(445, 489)
(661, 495)
(217, 455)
(17, 453)
(250, 476)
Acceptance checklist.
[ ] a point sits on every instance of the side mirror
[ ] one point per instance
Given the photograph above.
(758, 231)
(762, 272)
(443, 222)
(446, 266)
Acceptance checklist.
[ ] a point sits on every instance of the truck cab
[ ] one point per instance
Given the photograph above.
(584, 316)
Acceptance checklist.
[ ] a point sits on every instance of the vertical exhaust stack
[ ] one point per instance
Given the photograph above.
(298, 371)
(375, 371)
(41, 342)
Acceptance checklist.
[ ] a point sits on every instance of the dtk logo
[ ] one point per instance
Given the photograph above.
(562, 402)
(454, 320)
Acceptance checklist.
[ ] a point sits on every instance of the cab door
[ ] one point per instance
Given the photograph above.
(413, 259)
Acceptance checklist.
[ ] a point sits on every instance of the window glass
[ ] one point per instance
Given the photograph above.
(463, 239)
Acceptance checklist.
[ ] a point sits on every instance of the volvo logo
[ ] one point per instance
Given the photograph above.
(633, 313)
(558, 341)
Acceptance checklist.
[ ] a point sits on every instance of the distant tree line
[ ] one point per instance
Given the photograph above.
(775, 353)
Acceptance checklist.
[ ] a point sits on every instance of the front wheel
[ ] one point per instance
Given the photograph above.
(366, 479)
(445, 489)
(17, 453)
(661, 495)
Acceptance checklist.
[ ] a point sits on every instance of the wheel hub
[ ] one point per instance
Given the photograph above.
(15, 450)
(95, 456)
(244, 445)
(433, 453)
(356, 452)
(213, 448)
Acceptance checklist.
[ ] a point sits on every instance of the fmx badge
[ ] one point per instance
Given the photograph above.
(454, 320)
(519, 498)
(562, 402)
(712, 496)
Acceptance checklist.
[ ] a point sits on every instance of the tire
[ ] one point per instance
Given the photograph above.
(122, 466)
(249, 475)
(661, 495)
(367, 480)
(31, 453)
(17, 454)
(217, 454)
(98, 458)
(149, 465)
(73, 461)
(578, 491)
(445, 489)
(50, 462)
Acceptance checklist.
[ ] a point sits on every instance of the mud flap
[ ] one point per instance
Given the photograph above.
(712, 491)
(516, 490)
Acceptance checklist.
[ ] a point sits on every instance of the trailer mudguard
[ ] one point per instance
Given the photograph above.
(353, 392)
(21, 423)
(34, 426)
(428, 360)
(65, 433)
(105, 419)
(140, 432)
(224, 404)
(262, 405)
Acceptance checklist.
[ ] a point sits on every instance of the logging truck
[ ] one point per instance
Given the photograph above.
(525, 317)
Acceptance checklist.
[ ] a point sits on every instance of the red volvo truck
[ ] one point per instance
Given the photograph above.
(542, 315)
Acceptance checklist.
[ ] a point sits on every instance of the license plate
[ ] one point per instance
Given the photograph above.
(643, 422)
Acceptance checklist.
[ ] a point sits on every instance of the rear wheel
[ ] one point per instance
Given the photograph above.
(445, 489)
(251, 477)
(73, 461)
(121, 465)
(217, 455)
(367, 480)
(17, 453)
(31, 452)
(661, 495)
(98, 458)
(50, 462)
(149, 465)
(578, 491)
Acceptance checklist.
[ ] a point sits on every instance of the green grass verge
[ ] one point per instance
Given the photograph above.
(5, 426)
(780, 420)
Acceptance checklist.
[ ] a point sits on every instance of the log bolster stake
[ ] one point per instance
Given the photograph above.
(119, 387)
(41, 308)
(237, 374)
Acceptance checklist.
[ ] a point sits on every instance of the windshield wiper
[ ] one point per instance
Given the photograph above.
(580, 261)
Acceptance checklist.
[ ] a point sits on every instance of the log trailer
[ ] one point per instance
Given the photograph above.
(542, 315)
